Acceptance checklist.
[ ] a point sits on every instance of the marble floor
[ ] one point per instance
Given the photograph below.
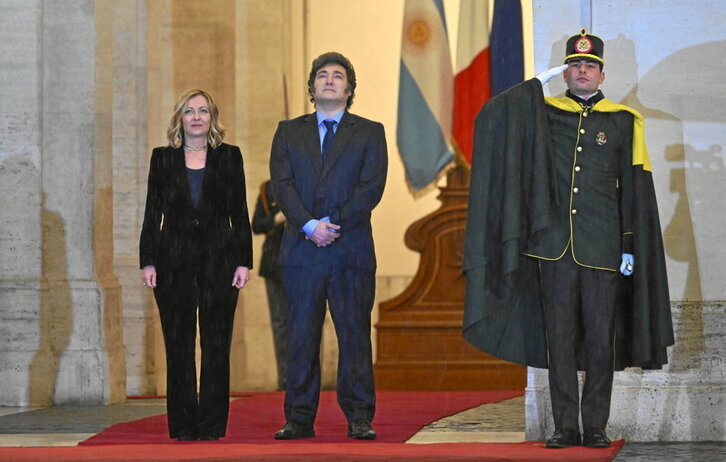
(498, 422)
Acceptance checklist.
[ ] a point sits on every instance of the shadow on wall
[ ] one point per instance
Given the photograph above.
(56, 311)
(698, 94)
(678, 81)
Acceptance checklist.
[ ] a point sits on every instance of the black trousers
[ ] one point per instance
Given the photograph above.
(182, 295)
(579, 302)
(349, 292)
(277, 301)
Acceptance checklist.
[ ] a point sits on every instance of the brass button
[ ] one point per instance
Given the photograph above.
(582, 130)
(577, 168)
(576, 190)
(579, 149)
(574, 211)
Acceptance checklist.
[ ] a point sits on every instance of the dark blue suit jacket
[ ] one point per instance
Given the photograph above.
(346, 187)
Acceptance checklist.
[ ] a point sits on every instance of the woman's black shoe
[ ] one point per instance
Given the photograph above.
(185, 438)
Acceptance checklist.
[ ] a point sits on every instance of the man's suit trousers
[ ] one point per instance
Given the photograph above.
(349, 293)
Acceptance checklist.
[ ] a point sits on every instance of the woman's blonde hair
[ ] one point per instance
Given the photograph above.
(175, 132)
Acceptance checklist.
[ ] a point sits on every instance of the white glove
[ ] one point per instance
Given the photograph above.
(549, 74)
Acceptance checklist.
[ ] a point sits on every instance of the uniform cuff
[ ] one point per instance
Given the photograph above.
(628, 243)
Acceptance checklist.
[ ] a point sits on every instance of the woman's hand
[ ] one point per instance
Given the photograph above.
(148, 276)
(627, 265)
(241, 276)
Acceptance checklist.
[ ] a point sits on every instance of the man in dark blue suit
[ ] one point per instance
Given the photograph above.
(328, 170)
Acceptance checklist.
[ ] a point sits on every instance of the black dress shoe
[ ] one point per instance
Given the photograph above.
(185, 438)
(294, 431)
(564, 438)
(596, 438)
(361, 430)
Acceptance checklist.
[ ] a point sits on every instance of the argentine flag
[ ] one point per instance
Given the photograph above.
(425, 96)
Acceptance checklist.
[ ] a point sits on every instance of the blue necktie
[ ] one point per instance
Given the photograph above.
(328, 138)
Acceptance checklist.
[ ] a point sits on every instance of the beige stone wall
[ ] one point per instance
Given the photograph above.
(95, 102)
(264, 63)
(129, 186)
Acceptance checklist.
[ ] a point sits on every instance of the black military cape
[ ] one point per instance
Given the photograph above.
(512, 198)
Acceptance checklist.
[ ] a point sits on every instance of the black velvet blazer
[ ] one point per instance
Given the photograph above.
(218, 228)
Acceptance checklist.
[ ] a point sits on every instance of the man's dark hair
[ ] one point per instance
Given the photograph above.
(323, 60)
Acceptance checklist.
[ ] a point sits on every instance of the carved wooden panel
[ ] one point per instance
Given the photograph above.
(419, 340)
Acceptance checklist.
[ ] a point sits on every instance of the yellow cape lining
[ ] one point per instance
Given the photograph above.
(640, 151)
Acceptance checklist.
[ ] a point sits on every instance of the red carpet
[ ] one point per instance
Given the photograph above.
(356, 451)
(255, 418)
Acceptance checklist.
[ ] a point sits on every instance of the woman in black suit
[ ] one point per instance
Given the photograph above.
(196, 253)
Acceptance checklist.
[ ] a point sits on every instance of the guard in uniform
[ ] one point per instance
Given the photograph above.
(565, 208)
(581, 254)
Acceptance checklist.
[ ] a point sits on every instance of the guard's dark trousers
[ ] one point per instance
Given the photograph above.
(579, 302)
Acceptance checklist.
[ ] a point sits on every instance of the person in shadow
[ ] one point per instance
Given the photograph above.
(269, 220)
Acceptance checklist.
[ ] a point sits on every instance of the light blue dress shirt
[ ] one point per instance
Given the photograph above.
(310, 226)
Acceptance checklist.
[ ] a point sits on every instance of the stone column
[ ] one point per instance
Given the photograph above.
(129, 189)
(685, 401)
(60, 300)
(21, 234)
